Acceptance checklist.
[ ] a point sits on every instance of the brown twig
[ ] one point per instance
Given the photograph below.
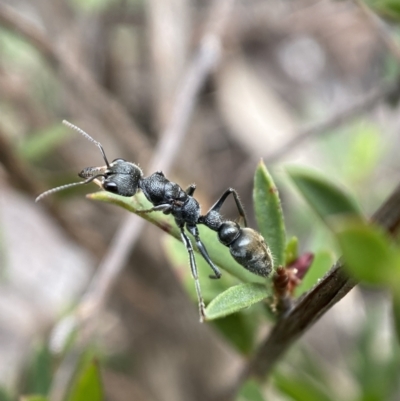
(98, 103)
(330, 290)
(202, 64)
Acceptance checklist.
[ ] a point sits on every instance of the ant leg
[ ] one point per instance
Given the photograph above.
(195, 276)
(195, 232)
(190, 190)
(218, 204)
(166, 208)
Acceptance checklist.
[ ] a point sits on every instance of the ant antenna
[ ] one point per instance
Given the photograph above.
(88, 137)
(62, 187)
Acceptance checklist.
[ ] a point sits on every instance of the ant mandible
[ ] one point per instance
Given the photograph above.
(124, 178)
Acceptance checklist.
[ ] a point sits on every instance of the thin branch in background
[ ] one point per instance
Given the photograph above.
(204, 61)
(15, 90)
(97, 102)
(316, 302)
(169, 50)
(359, 107)
(381, 29)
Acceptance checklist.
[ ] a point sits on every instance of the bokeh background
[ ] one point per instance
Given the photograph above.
(293, 82)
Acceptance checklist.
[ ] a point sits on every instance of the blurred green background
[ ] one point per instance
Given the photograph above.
(319, 71)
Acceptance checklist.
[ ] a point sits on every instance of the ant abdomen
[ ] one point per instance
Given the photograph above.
(247, 247)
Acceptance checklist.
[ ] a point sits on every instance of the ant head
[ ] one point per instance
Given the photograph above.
(119, 177)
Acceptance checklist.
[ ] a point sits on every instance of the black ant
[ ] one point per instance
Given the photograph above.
(124, 178)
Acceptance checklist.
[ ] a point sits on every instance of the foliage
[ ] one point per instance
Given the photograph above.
(235, 299)
(387, 8)
(87, 385)
(269, 215)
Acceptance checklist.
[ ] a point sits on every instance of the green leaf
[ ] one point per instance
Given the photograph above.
(291, 252)
(325, 197)
(40, 372)
(38, 145)
(301, 387)
(235, 299)
(375, 367)
(364, 151)
(17, 51)
(250, 391)
(368, 253)
(268, 212)
(321, 264)
(387, 8)
(4, 396)
(88, 385)
(219, 253)
(240, 329)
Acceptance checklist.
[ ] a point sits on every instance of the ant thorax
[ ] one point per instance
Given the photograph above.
(160, 191)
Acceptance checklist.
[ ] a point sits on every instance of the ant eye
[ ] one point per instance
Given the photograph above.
(119, 160)
(110, 187)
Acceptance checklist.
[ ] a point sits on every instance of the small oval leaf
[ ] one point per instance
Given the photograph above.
(268, 212)
(368, 253)
(324, 196)
(235, 299)
(291, 251)
(88, 384)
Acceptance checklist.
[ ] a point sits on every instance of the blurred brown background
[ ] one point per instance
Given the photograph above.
(320, 71)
